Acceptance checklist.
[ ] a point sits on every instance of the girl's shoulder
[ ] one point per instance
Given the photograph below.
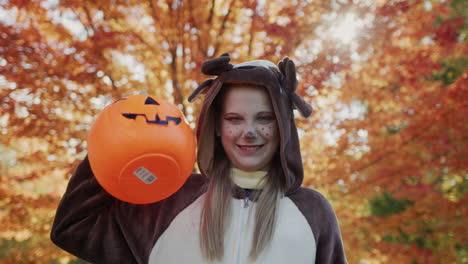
(314, 206)
(197, 179)
(194, 186)
(324, 225)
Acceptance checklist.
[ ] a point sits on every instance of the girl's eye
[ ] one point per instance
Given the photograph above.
(233, 119)
(266, 119)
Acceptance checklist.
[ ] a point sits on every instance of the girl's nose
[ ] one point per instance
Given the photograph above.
(250, 132)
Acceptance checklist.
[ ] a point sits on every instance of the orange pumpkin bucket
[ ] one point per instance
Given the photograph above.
(141, 149)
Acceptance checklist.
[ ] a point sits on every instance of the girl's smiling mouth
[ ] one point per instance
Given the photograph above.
(249, 149)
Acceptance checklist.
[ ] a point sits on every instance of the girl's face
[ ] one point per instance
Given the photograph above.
(248, 127)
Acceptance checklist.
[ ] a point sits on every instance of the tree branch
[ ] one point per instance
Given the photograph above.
(222, 29)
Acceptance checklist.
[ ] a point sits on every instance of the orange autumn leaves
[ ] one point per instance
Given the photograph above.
(388, 128)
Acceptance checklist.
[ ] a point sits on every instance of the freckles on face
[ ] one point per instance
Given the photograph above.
(267, 131)
(264, 131)
(230, 129)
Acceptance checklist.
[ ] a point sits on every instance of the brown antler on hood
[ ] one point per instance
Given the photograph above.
(288, 70)
(218, 65)
(212, 67)
(200, 89)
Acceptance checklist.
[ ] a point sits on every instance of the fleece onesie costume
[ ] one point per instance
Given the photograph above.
(95, 226)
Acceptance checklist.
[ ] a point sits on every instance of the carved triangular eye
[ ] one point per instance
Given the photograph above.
(150, 100)
(130, 116)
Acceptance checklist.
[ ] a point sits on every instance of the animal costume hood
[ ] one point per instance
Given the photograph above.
(281, 84)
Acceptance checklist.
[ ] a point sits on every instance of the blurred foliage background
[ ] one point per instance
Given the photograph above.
(387, 78)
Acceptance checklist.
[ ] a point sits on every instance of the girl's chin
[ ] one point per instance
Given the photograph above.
(250, 166)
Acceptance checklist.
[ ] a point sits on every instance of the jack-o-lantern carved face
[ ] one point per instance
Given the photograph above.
(141, 149)
(147, 111)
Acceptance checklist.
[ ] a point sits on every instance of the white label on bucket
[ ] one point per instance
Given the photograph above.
(145, 175)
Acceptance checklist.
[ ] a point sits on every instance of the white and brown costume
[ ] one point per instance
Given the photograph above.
(96, 227)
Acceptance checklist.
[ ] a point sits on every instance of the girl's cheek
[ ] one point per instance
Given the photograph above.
(268, 130)
(230, 130)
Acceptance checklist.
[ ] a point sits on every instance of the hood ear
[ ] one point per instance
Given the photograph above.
(290, 83)
(203, 88)
(304, 108)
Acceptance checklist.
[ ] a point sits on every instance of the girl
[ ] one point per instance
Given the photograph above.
(247, 204)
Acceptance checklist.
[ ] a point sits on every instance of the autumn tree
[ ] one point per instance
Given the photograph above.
(63, 61)
(396, 165)
(386, 144)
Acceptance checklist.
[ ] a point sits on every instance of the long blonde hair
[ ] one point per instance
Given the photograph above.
(216, 211)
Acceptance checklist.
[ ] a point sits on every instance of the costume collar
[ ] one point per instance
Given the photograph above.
(248, 180)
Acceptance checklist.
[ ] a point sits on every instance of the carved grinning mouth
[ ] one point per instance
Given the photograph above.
(157, 120)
